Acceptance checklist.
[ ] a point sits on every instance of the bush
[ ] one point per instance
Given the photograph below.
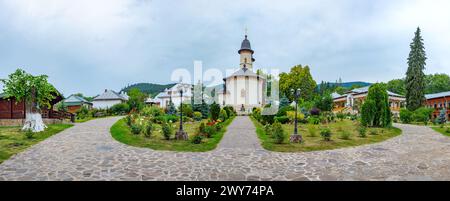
(256, 113)
(187, 110)
(197, 139)
(230, 111)
(120, 109)
(406, 116)
(283, 110)
(136, 129)
(447, 130)
(314, 112)
(314, 120)
(202, 128)
(223, 115)
(210, 131)
(148, 129)
(326, 134)
(282, 119)
(312, 131)
(82, 113)
(167, 130)
(218, 127)
(214, 111)
(373, 132)
(345, 135)
(375, 110)
(197, 116)
(129, 120)
(362, 131)
(268, 129)
(291, 116)
(29, 134)
(152, 111)
(423, 115)
(278, 133)
(340, 116)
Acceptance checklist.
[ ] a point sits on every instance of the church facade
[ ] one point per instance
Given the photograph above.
(244, 89)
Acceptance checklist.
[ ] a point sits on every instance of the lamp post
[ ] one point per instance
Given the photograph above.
(181, 134)
(296, 138)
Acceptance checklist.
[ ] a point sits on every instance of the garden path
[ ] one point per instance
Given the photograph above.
(88, 152)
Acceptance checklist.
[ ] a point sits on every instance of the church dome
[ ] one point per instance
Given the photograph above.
(246, 45)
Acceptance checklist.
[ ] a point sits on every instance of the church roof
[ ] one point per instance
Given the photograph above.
(244, 72)
(245, 45)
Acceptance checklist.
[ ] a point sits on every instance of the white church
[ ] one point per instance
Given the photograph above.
(244, 89)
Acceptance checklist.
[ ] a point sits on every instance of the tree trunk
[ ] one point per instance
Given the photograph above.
(33, 119)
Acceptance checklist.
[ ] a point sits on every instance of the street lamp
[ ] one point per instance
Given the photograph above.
(181, 134)
(296, 138)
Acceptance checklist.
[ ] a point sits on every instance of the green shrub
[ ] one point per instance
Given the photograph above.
(256, 113)
(326, 134)
(340, 116)
(82, 113)
(373, 132)
(312, 131)
(345, 135)
(230, 111)
(210, 131)
(120, 109)
(423, 115)
(197, 116)
(218, 127)
(29, 134)
(447, 130)
(148, 129)
(167, 130)
(202, 128)
(278, 133)
(283, 111)
(268, 129)
(406, 116)
(129, 120)
(282, 119)
(136, 129)
(362, 131)
(314, 120)
(223, 115)
(214, 111)
(152, 111)
(171, 118)
(187, 110)
(197, 139)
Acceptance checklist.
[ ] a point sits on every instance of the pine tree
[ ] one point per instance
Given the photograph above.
(415, 77)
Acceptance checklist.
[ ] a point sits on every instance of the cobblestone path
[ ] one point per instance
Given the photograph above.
(88, 152)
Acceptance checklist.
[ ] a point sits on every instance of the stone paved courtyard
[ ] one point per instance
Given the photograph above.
(88, 152)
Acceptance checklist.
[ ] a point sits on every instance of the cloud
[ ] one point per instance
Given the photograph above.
(87, 46)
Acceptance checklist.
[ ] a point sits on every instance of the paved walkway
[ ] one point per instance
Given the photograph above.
(88, 152)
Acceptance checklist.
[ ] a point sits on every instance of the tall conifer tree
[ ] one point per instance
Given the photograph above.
(415, 77)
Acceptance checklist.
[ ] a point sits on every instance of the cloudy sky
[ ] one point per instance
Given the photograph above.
(89, 45)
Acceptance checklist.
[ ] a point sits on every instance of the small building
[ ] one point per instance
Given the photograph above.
(173, 93)
(438, 101)
(152, 102)
(74, 103)
(13, 113)
(351, 101)
(108, 99)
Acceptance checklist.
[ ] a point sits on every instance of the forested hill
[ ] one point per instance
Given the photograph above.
(149, 88)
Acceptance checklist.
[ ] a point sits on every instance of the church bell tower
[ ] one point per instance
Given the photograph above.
(246, 53)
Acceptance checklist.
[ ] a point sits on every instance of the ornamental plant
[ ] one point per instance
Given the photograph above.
(167, 130)
(326, 134)
(278, 133)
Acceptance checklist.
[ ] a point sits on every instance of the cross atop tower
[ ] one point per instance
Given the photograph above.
(246, 31)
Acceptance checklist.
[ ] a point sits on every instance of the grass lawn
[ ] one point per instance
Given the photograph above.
(121, 132)
(442, 130)
(316, 143)
(13, 140)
